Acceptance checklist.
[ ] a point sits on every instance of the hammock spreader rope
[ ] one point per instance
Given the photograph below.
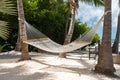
(43, 42)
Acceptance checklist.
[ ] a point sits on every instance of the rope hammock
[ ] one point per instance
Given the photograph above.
(41, 41)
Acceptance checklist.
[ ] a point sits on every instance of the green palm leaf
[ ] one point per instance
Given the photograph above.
(7, 7)
(94, 2)
(4, 30)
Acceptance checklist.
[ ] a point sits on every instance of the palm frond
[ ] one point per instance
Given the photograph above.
(94, 2)
(73, 3)
(4, 30)
(7, 7)
(119, 3)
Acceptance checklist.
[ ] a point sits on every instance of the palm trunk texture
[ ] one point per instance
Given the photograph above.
(115, 47)
(70, 32)
(21, 18)
(105, 60)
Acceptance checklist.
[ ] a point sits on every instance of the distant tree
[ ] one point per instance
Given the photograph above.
(48, 17)
(80, 28)
(115, 47)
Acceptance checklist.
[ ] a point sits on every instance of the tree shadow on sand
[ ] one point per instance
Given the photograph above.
(17, 73)
(81, 71)
(91, 67)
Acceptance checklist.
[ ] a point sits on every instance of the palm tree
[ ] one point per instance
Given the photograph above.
(22, 33)
(4, 30)
(73, 5)
(115, 47)
(93, 2)
(105, 61)
(6, 7)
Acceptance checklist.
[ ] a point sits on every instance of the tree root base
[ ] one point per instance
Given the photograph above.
(24, 59)
(62, 55)
(104, 70)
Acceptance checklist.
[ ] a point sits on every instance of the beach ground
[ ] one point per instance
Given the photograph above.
(48, 66)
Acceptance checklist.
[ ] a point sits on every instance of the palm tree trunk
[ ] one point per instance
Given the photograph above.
(67, 22)
(18, 47)
(21, 18)
(71, 28)
(70, 32)
(105, 61)
(115, 47)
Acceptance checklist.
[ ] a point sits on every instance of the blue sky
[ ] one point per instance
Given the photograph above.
(92, 14)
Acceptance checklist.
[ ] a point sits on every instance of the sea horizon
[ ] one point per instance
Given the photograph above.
(112, 40)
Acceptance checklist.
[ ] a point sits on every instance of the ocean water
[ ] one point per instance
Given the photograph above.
(112, 40)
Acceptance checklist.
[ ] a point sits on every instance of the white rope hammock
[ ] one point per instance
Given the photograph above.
(50, 46)
(39, 40)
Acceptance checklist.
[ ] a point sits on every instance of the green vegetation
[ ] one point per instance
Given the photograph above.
(48, 16)
(2, 47)
(6, 8)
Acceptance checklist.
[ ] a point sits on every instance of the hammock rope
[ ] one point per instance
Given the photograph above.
(41, 41)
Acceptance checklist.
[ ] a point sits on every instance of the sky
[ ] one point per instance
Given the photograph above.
(92, 14)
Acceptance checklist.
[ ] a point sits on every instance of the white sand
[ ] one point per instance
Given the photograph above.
(50, 67)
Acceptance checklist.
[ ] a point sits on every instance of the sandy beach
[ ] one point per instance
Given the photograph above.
(47, 66)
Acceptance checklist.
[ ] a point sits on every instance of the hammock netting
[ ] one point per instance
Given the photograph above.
(41, 41)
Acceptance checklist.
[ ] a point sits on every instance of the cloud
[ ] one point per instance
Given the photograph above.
(89, 14)
(115, 11)
(92, 14)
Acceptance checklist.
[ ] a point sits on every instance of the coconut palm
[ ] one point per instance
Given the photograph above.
(4, 30)
(6, 7)
(93, 2)
(105, 61)
(73, 5)
(22, 33)
(115, 47)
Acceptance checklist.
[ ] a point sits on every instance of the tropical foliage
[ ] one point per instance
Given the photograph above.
(2, 47)
(4, 30)
(6, 7)
(94, 2)
(48, 16)
(50, 19)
